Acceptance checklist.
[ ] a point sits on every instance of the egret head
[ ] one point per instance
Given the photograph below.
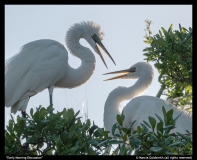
(93, 34)
(134, 72)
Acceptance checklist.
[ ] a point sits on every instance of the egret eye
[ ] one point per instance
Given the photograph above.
(133, 69)
(96, 39)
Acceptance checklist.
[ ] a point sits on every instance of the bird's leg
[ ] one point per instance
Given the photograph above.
(50, 94)
(24, 116)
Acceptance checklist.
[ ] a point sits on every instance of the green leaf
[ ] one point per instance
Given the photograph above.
(21, 125)
(116, 135)
(55, 138)
(125, 130)
(139, 129)
(115, 142)
(164, 113)
(115, 152)
(159, 133)
(36, 116)
(74, 149)
(122, 150)
(177, 116)
(188, 139)
(75, 126)
(135, 142)
(175, 144)
(152, 122)
(93, 142)
(169, 127)
(160, 33)
(146, 54)
(133, 135)
(32, 139)
(163, 30)
(10, 123)
(65, 113)
(12, 117)
(91, 130)
(31, 112)
(105, 141)
(187, 131)
(169, 115)
(70, 113)
(154, 137)
(156, 149)
(87, 125)
(158, 65)
(132, 124)
(42, 113)
(18, 119)
(77, 113)
(180, 27)
(160, 127)
(105, 133)
(97, 133)
(147, 124)
(181, 135)
(114, 128)
(119, 119)
(144, 128)
(189, 109)
(40, 145)
(58, 115)
(124, 138)
(59, 146)
(64, 136)
(171, 27)
(159, 118)
(168, 140)
(100, 130)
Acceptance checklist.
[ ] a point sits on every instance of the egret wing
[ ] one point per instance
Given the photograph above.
(37, 66)
(136, 110)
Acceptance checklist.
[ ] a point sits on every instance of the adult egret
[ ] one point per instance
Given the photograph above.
(44, 64)
(139, 108)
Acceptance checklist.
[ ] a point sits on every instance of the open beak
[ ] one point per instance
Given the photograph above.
(122, 72)
(98, 41)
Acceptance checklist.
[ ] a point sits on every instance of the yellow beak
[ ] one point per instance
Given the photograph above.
(122, 72)
(98, 41)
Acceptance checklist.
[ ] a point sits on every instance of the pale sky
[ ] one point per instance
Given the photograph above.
(123, 26)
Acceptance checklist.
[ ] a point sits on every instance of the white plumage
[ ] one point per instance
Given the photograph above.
(139, 108)
(44, 64)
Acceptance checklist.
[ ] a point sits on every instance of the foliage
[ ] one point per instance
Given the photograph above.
(153, 138)
(171, 50)
(49, 133)
(63, 133)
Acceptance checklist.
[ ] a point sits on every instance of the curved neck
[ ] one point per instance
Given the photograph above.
(120, 94)
(76, 77)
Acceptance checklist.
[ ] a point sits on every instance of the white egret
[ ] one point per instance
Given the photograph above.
(139, 108)
(44, 64)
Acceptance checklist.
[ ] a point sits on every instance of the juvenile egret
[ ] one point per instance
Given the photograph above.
(139, 108)
(44, 64)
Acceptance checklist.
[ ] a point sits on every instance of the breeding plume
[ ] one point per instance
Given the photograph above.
(139, 108)
(44, 64)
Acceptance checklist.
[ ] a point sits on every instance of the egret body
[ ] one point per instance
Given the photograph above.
(44, 64)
